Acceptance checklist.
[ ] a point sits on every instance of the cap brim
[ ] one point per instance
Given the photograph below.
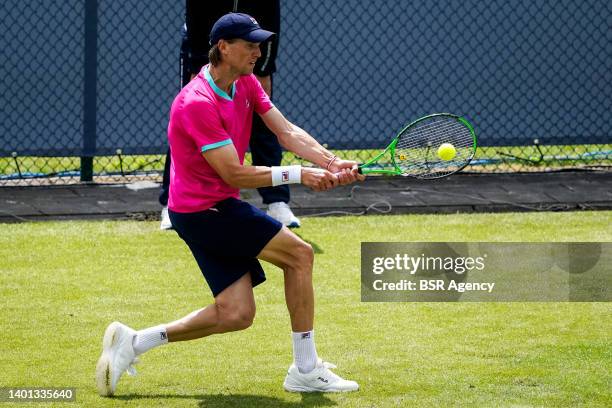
(258, 35)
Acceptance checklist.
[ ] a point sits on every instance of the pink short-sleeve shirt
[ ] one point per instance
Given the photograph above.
(204, 117)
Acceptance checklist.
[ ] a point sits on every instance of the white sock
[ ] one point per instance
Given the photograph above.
(146, 339)
(304, 351)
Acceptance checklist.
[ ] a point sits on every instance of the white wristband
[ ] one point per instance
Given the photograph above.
(286, 175)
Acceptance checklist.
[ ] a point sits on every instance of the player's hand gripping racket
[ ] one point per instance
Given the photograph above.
(431, 147)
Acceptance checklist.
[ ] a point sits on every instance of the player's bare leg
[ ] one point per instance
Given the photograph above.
(308, 373)
(295, 257)
(234, 309)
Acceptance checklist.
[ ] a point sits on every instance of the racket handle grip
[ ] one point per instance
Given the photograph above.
(358, 171)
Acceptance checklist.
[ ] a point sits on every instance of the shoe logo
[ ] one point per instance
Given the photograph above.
(163, 335)
(322, 379)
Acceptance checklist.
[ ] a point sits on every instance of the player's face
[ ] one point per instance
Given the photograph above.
(242, 56)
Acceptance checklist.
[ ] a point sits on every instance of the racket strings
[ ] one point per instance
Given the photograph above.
(416, 149)
(457, 135)
(435, 128)
(444, 133)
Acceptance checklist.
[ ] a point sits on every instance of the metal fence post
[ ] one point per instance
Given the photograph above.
(89, 89)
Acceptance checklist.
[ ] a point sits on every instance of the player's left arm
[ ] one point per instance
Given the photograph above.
(297, 140)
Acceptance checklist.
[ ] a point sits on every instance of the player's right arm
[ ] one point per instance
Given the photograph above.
(224, 160)
(201, 121)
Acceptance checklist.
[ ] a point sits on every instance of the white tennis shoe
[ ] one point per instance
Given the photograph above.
(117, 357)
(165, 223)
(281, 212)
(321, 379)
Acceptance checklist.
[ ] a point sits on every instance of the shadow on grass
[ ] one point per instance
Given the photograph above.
(238, 400)
(241, 400)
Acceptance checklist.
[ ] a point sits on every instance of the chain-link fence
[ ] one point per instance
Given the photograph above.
(87, 85)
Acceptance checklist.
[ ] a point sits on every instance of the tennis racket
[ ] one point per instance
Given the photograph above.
(416, 150)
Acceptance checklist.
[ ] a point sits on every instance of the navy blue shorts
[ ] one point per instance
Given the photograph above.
(226, 239)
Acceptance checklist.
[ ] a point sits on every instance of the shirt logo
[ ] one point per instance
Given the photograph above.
(285, 177)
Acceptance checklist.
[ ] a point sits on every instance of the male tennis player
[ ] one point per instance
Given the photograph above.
(210, 124)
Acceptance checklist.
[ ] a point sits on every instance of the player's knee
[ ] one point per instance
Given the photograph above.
(243, 319)
(238, 318)
(305, 255)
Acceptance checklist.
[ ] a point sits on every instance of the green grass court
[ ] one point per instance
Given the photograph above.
(63, 282)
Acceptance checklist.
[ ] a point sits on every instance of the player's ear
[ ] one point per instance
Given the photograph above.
(223, 46)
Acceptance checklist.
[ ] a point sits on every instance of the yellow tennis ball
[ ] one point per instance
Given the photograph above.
(446, 151)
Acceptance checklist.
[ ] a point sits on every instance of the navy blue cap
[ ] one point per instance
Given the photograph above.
(238, 25)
